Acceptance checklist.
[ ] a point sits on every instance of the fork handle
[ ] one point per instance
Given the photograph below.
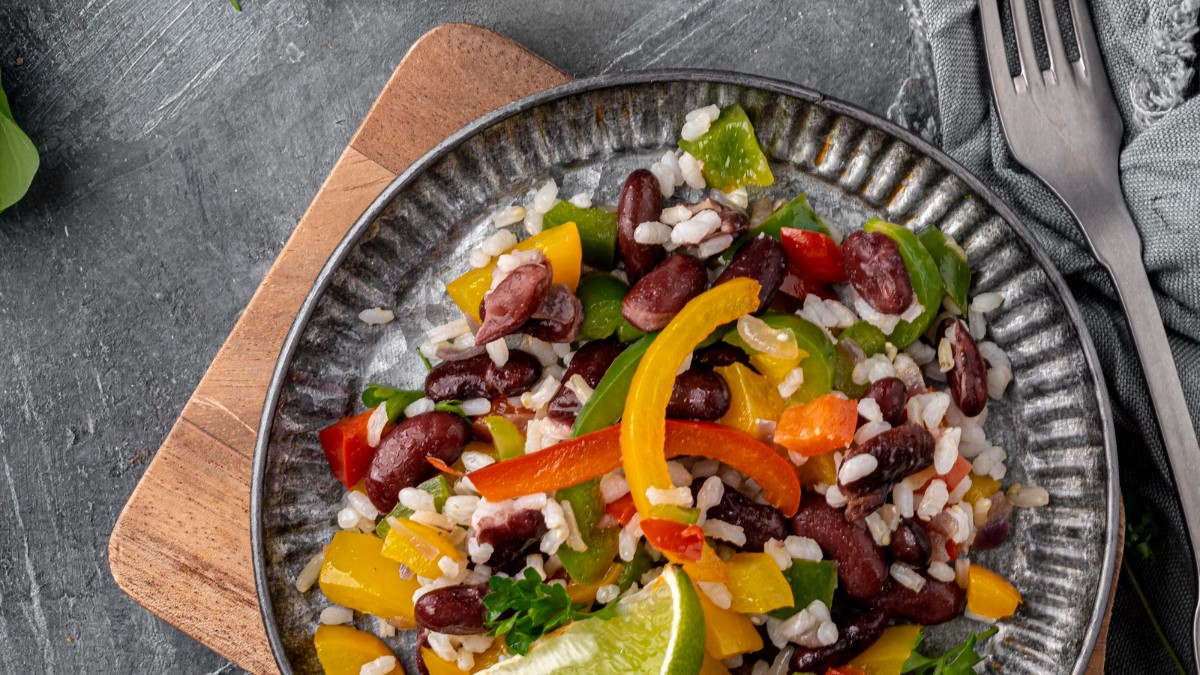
(1120, 252)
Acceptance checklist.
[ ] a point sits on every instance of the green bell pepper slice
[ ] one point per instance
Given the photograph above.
(587, 504)
(397, 399)
(601, 296)
(597, 231)
(951, 262)
(633, 570)
(810, 580)
(507, 438)
(607, 402)
(730, 152)
(817, 366)
(437, 486)
(872, 341)
(925, 277)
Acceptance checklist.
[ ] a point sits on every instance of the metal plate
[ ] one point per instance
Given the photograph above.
(1054, 421)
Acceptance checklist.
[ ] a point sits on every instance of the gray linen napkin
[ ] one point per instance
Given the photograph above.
(1149, 50)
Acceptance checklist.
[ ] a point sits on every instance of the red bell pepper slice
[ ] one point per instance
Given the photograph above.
(813, 256)
(346, 448)
(962, 467)
(669, 536)
(592, 455)
(622, 510)
(951, 550)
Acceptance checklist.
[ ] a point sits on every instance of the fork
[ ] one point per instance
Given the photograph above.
(1062, 124)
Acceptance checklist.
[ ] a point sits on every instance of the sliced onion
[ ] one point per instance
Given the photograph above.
(375, 424)
(763, 338)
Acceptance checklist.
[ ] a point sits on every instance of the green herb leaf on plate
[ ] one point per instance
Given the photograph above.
(958, 660)
(523, 610)
(19, 159)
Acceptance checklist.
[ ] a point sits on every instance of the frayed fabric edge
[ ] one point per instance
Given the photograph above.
(1155, 95)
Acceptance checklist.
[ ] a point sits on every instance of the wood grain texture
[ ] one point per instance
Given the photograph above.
(181, 547)
(189, 560)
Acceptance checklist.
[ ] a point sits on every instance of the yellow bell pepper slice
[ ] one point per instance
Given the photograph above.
(586, 593)
(418, 546)
(886, 656)
(436, 665)
(356, 575)
(562, 247)
(776, 368)
(710, 567)
(643, 431)
(752, 397)
(727, 633)
(712, 666)
(989, 594)
(344, 650)
(981, 487)
(818, 469)
(756, 584)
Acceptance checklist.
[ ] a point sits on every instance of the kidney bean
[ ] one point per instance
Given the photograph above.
(862, 569)
(876, 270)
(995, 527)
(454, 610)
(854, 635)
(657, 297)
(510, 534)
(558, 318)
(761, 259)
(936, 602)
(900, 451)
(720, 354)
(590, 362)
(891, 394)
(968, 377)
(760, 522)
(910, 544)
(401, 459)
(640, 202)
(514, 300)
(699, 394)
(479, 376)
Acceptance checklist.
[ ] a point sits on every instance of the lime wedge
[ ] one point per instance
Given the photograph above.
(658, 630)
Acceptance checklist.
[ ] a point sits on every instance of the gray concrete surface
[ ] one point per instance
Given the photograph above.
(180, 143)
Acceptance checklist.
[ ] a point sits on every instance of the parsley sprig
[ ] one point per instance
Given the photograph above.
(959, 660)
(523, 610)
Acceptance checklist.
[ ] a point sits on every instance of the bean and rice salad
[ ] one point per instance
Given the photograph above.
(816, 463)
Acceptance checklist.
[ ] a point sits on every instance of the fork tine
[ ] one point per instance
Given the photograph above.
(1085, 36)
(1054, 39)
(1024, 35)
(993, 41)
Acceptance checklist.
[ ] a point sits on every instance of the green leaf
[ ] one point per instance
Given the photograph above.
(958, 660)
(451, 407)
(397, 399)
(537, 608)
(424, 360)
(19, 159)
(236, 5)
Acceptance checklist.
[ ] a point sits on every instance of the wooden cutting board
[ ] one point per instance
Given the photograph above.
(181, 547)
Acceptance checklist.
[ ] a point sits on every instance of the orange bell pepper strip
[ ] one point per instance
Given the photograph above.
(644, 428)
(592, 455)
(822, 425)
